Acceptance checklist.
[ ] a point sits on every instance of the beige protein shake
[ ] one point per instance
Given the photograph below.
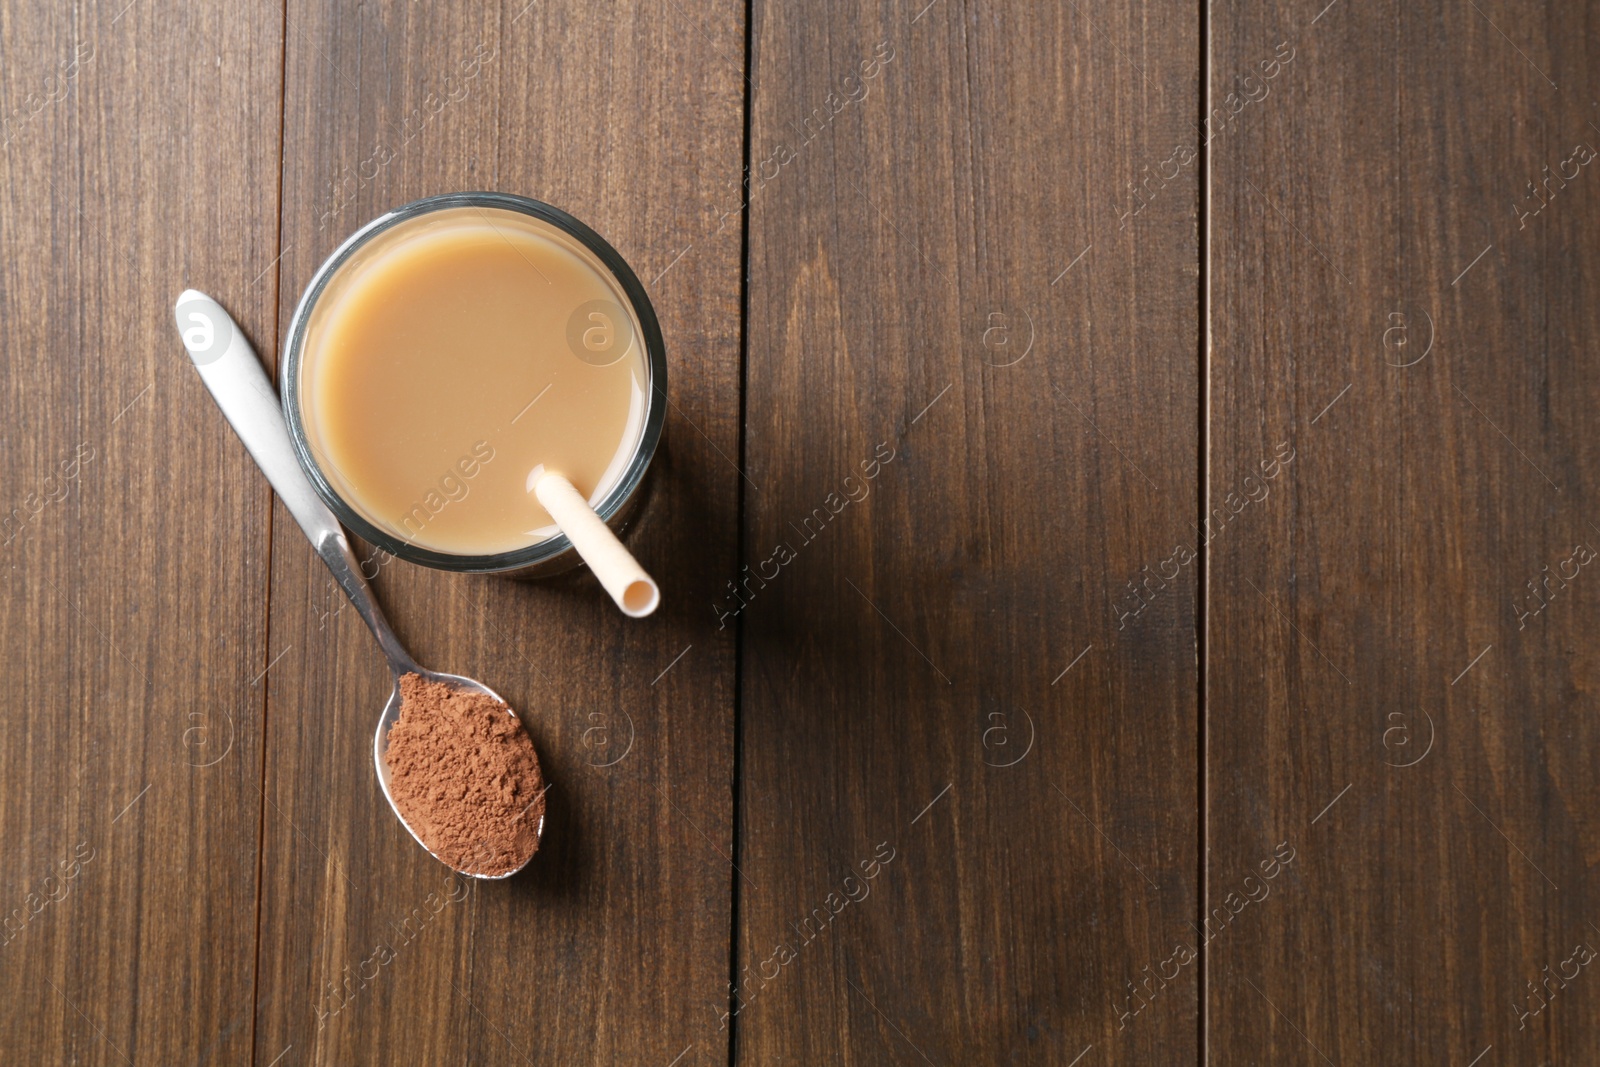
(454, 359)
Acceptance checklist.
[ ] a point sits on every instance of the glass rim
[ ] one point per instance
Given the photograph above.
(654, 360)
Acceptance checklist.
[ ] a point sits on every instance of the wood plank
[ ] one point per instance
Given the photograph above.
(1375, 699)
(612, 948)
(947, 267)
(135, 533)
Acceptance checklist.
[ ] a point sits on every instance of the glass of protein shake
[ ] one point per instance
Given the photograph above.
(452, 354)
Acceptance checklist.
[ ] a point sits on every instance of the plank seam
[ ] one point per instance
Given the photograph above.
(1203, 598)
(266, 637)
(739, 547)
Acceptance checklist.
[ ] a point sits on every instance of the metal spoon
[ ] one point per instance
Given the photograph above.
(233, 373)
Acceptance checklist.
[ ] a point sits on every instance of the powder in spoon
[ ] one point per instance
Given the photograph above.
(464, 774)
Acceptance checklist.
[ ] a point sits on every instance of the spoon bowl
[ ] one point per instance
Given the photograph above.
(380, 744)
(234, 375)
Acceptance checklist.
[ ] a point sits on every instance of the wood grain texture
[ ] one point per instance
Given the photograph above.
(947, 267)
(930, 750)
(133, 615)
(1370, 650)
(612, 948)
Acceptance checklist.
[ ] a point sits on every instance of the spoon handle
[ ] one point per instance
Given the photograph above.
(233, 373)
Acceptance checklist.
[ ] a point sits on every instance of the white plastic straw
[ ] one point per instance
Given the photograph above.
(634, 591)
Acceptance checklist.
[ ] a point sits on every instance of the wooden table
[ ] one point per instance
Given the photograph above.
(1124, 525)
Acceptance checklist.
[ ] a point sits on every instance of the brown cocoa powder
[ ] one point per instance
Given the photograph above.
(465, 777)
